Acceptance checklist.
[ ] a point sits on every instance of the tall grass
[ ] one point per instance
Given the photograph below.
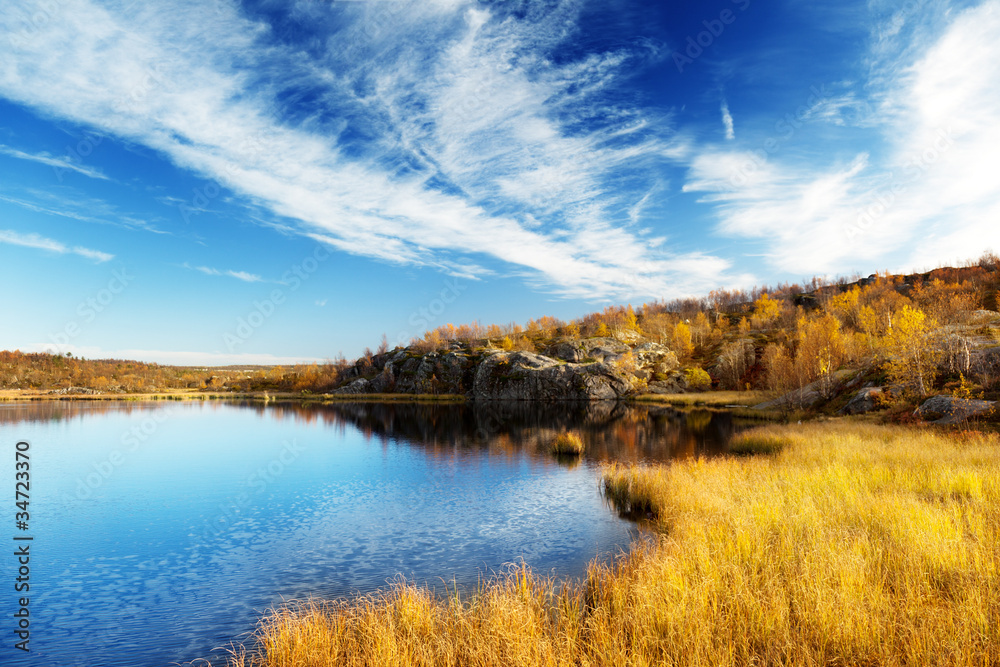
(854, 545)
(567, 444)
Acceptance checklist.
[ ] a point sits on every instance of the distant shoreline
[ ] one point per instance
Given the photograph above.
(16, 395)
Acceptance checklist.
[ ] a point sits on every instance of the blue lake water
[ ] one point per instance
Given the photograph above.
(161, 531)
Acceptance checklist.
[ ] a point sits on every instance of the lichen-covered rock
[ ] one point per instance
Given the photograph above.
(950, 410)
(655, 358)
(521, 376)
(864, 401)
(359, 386)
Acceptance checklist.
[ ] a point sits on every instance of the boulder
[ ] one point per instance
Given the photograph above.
(945, 409)
(676, 383)
(521, 376)
(567, 352)
(359, 386)
(655, 357)
(864, 401)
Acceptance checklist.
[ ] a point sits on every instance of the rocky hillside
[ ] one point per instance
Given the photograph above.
(589, 369)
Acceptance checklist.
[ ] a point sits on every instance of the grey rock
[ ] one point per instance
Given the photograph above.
(359, 386)
(944, 409)
(566, 352)
(521, 376)
(864, 401)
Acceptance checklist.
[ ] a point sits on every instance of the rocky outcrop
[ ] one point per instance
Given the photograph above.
(522, 376)
(588, 349)
(75, 390)
(864, 401)
(359, 386)
(950, 410)
(656, 358)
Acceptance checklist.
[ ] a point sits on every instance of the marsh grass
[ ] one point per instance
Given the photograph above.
(762, 440)
(709, 398)
(567, 444)
(855, 544)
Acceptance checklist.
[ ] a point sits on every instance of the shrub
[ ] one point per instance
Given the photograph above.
(698, 378)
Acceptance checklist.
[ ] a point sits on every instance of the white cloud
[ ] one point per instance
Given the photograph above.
(56, 163)
(476, 128)
(931, 196)
(727, 121)
(42, 243)
(239, 275)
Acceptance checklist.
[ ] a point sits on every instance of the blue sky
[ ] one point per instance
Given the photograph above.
(218, 182)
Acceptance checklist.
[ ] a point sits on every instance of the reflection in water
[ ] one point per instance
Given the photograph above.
(168, 527)
(611, 431)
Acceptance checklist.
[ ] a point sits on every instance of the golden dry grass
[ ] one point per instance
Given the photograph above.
(856, 544)
(710, 398)
(567, 444)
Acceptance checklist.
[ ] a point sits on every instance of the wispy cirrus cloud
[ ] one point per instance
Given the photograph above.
(445, 134)
(39, 242)
(77, 206)
(59, 164)
(239, 275)
(727, 121)
(930, 194)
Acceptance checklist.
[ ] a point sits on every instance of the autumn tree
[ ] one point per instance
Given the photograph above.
(682, 345)
(779, 368)
(910, 352)
(735, 359)
(819, 350)
(765, 311)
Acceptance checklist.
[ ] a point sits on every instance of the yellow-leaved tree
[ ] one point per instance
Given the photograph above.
(765, 310)
(910, 351)
(819, 351)
(682, 344)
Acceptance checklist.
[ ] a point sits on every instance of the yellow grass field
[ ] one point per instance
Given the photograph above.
(853, 544)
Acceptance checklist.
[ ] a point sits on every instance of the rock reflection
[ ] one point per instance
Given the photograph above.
(611, 431)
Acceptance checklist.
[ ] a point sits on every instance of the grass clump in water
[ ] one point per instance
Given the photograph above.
(567, 444)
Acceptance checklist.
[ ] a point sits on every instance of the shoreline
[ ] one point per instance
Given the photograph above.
(19, 395)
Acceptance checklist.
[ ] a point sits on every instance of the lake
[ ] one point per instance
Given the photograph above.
(161, 531)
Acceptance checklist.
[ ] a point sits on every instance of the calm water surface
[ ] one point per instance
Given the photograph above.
(163, 530)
